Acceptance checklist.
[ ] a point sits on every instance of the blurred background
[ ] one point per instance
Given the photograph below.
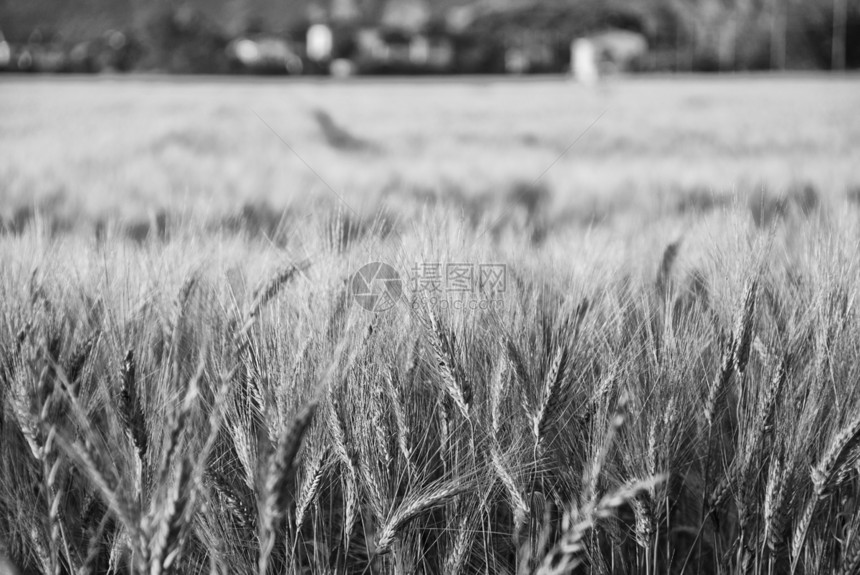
(345, 37)
(536, 117)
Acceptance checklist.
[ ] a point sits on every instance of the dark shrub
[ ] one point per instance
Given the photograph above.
(181, 39)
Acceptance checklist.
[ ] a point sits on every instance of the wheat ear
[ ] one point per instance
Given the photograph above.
(497, 391)
(550, 402)
(765, 412)
(310, 484)
(775, 504)
(457, 388)
(411, 507)
(131, 406)
(744, 328)
(399, 421)
(178, 422)
(78, 360)
(338, 437)
(278, 490)
(171, 522)
(824, 475)
(268, 291)
(851, 556)
(518, 504)
(456, 557)
(721, 380)
(827, 471)
(670, 254)
(568, 553)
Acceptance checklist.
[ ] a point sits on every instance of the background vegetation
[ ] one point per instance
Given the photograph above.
(701, 35)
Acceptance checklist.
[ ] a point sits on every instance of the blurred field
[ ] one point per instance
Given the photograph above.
(189, 384)
(125, 146)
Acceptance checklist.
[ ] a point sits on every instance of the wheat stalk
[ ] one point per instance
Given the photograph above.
(850, 564)
(268, 291)
(131, 407)
(178, 423)
(768, 402)
(51, 467)
(412, 506)
(775, 510)
(518, 504)
(379, 426)
(595, 467)
(550, 402)
(823, 475)
(744, 328)
(721, 380)
(373, 487)
(497, 391)
(78, 454)
(400, 422)
(27, 424)
(94, 547)
(456, 557)
(170, 522)
(670, 254)
(827, 469)
(278, 492)
(644, 528)
(181, 304)
(567, 554)
(78, 359)
(765, 413)
(739, 469)
(443, 351)
(518, 362)
(335, 428)
(232, 501)
(313, 473)
(42, 554)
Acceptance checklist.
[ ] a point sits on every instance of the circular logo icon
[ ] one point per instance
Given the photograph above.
(376, 286)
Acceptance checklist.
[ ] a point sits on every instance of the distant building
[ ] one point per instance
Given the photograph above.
(5, 52)
(604, 53)
(320, 42)
(583, 58)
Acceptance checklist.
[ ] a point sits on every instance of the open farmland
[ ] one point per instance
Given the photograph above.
(125, 146)
(645, 360)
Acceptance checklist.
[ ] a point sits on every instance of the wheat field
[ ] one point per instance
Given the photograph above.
(651, 368)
